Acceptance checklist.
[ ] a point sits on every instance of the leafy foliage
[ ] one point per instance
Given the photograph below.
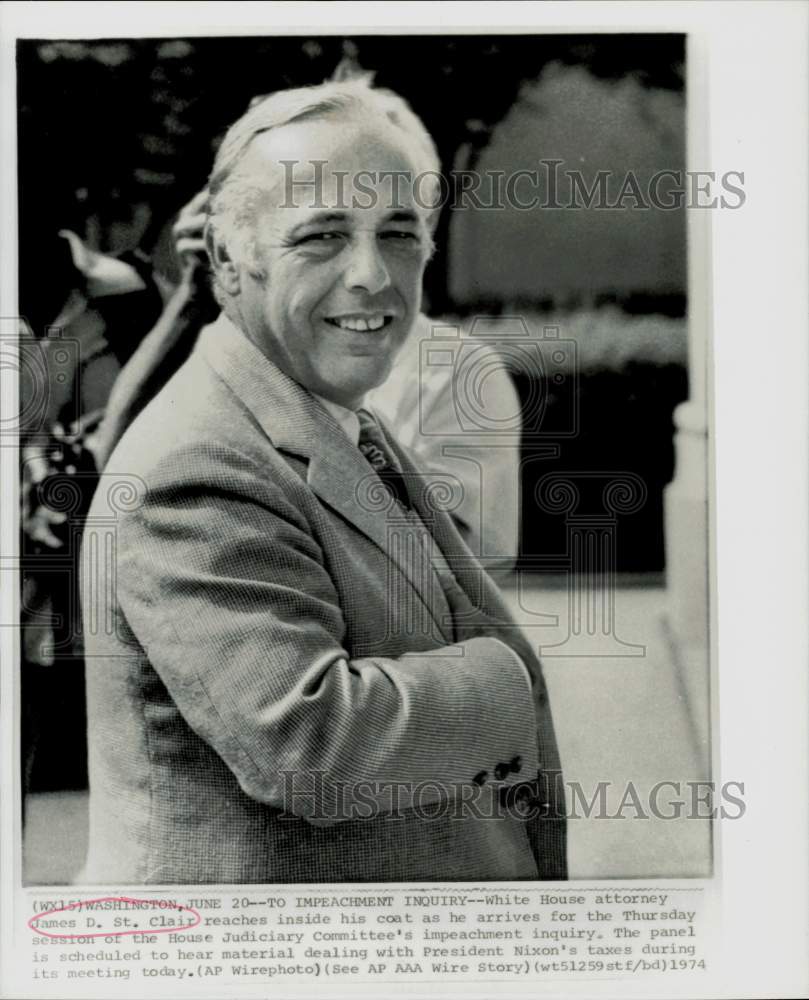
(115, 135)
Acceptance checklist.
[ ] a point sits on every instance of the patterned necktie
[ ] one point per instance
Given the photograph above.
(373, 446)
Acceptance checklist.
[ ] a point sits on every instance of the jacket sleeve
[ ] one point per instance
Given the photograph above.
(229, 594)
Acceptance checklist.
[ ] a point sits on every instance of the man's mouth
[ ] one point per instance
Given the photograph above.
(361, 324)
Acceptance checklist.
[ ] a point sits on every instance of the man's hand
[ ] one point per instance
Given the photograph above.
(37, 520)
(187, 231)
(38, 526)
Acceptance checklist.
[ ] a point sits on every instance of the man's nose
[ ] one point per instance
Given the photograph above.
(366, 268)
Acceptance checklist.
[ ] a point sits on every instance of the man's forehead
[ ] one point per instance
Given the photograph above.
(341, 143)
(320, 167)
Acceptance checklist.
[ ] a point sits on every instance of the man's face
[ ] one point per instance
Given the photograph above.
(338, 284)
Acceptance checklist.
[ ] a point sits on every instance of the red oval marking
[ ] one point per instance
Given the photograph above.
(158, 904)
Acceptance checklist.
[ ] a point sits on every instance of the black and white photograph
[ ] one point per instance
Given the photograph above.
(366, 469)
(357, 464)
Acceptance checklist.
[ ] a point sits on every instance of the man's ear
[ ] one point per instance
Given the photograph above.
(227, 273)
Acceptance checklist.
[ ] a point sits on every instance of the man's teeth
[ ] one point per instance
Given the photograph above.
(359, 324)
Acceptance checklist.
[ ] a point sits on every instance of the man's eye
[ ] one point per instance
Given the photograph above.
(319, 237)
(400, 234)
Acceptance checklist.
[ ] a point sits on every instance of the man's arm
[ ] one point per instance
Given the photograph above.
(230, 596)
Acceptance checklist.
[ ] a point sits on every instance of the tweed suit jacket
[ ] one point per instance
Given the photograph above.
(298, 682)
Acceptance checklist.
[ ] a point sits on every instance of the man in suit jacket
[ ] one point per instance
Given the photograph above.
(306, 677)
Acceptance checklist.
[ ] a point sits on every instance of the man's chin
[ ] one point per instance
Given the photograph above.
(350, 389)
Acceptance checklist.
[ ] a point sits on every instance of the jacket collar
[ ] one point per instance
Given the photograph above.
(296, 423)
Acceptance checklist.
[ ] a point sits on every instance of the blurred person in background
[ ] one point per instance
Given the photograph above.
(87, 314)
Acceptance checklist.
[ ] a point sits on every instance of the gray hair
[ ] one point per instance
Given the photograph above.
(234, 197)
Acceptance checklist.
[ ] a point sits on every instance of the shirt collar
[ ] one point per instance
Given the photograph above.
(346, 418)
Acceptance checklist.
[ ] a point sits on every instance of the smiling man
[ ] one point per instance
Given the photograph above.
(307, 676)
(330, 293)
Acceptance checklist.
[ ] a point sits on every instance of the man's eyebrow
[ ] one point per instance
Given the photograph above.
(323, 218)
(403, 216)
(319, 219)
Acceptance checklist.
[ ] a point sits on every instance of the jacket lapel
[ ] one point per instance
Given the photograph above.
(337, 472)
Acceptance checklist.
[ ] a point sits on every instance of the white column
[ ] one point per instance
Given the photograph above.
(686, 498)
